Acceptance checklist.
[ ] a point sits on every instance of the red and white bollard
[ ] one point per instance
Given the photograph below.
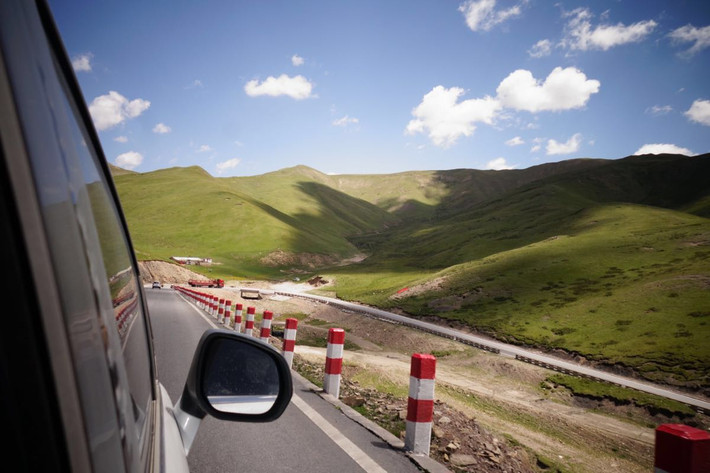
(334, 361)
(290, 340)
(681, 449)
(266, 319)
(249, 324)
(227, 313)
(220, 311)
(420, 405)
(213, 306)
(238, 318)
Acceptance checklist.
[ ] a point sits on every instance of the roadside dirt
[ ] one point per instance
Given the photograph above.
(490, 415)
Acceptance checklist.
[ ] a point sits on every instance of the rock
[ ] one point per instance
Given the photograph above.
(462, 460)
(444, 420)
(437, 432)
(353, 401)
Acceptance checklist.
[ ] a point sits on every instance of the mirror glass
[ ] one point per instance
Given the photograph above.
(240, 378)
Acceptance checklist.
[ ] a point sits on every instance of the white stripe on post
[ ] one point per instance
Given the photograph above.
(266, 326)
(220, 311)
(420, 405)
(238, 318)
(334, 361)
(290, 340)
(249, 324)
(681, 448)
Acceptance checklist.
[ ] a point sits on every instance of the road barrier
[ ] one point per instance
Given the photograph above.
(249, 324)
(220, 311)
(334, 361)
(227, 313)
(290, 340)
(238, 318)
(266, 326)
(681, 449)
(420, 405)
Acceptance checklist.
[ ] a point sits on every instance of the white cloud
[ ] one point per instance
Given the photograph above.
(516, 141)
(569, 147)
(129, 160)
(699, 112)
(345, 121)
(121, 139)
(446, 120)
(226, 165)
(657, 110)
(482, 15)
(204, 148)
(663, 148)
(161, 129)
(582, 36)
(499, 164)
(82, 62)
(700, 37)
(563, 89)
(196, 84)
(297, 60)
(297, 87)
(113, 108)
(541, 48)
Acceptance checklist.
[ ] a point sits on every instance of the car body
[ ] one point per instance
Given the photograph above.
(157, 285)
(77, 370)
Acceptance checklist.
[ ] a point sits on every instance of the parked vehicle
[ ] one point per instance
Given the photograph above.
(157, 285)
(77, 373)
(206, 282)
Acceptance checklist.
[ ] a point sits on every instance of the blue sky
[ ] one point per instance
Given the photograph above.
(372, 87)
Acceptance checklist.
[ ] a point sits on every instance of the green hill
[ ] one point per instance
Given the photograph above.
(608, 260)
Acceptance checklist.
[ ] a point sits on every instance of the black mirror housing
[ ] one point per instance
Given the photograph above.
(234, 367)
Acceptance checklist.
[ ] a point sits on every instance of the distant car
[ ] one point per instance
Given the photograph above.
(78, 379)
(157, 285)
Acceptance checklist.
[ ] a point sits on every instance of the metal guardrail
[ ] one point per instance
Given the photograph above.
(505, 349)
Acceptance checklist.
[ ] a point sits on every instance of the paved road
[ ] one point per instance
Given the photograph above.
(510, 350)
(310, 436)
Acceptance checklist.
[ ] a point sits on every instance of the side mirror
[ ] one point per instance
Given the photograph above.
(233, 377)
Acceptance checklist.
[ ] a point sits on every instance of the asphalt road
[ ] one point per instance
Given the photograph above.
(311, 435)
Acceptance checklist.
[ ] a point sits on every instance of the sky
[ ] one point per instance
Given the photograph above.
(243, 88)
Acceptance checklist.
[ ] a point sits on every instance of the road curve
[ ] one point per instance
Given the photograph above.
(505, 349)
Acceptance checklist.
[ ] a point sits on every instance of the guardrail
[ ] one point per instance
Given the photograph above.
(504, 349)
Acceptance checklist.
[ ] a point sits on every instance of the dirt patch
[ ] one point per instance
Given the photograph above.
(298, 261)
(166, 273)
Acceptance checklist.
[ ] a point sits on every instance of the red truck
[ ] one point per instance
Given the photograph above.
(206, 282)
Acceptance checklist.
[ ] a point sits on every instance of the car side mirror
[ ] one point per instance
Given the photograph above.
(233, 377)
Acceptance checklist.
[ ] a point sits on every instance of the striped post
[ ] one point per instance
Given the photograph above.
(266, 326)
(420, 405)
(220, 311)
(290, 340)
(227, 313)
(238, 318)
(215, 306)
(681, 449)
(249, 324)
(334, 361)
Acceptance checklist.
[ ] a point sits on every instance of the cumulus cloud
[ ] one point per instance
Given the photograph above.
(699, 112)
(570, 146)
(700, 37)
(581, 35)
(113, 108)
(227, 165)
(657, 110)
(297, 60)
(297, 87)
(204, 148)
(541, 49)
(161, 129)
(82, 62)
(445, 119)
(129, 160)
(499, 164)
(516, 141)
(345, 121)
(121, 139)
(482, 15)
(663, 148)
(563, 89)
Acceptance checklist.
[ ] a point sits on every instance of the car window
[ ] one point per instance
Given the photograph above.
(94, 268)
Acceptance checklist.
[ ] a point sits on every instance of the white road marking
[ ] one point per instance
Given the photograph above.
(362, 459)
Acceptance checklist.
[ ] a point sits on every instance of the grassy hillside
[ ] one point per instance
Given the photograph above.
(606, 259)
